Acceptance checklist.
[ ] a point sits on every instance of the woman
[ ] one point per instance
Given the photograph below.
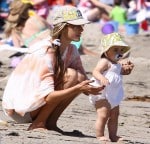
(50, 76)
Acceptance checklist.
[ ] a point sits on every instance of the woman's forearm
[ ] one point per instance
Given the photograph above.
(61, 94)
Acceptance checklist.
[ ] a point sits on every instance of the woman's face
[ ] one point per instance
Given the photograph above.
(73, 32)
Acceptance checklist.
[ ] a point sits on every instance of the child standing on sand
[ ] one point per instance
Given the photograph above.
(108, 73)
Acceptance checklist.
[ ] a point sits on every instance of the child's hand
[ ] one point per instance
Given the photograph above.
(127, 67)
(104, 81)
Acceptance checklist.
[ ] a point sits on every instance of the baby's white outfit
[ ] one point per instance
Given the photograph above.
(113, 92)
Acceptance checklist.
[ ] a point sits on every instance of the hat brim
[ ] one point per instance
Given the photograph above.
(78, 22)
(122, 44)
(119, 44)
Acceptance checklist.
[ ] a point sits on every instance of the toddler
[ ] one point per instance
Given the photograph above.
(108, 73)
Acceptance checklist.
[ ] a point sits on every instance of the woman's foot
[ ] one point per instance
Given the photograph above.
(39, 125)
(103, 138)
(116, 139)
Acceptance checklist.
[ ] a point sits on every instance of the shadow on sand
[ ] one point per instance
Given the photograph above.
(75, 133)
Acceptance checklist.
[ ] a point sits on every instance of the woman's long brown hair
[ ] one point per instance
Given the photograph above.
(59, 64)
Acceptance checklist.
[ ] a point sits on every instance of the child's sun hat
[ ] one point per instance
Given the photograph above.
(111, 40)
(68, 14)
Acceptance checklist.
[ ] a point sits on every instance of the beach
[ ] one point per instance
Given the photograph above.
(78, 120)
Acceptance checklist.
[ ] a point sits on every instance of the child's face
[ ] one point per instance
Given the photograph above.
(115, 53)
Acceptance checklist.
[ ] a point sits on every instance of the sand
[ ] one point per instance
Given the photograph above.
(79, 118)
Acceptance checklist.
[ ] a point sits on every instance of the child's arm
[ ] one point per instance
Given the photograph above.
(98, 71)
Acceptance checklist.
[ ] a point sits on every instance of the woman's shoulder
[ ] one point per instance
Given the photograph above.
(42, 44)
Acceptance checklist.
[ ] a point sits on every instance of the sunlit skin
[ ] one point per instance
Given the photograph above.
(70, 33)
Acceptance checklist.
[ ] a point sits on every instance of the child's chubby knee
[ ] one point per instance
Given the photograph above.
(9, 112)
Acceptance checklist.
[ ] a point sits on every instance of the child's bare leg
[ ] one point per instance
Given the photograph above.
(113, 124)
(103, 111)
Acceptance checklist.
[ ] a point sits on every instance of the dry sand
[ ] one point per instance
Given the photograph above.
(79, 118)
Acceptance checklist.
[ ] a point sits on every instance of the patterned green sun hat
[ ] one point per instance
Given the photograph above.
(113, 39)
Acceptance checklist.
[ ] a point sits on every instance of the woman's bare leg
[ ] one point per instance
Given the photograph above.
(103, 111)
(73, 78)
(41, 115)
(113, 124)
(51, 111)
(53, 118)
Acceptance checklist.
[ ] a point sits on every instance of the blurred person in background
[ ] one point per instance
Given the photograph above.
(94, 10)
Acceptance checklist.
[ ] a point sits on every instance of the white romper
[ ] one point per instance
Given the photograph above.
(113, 92)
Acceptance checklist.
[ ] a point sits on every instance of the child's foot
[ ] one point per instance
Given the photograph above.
(116, 139)
(103, 138)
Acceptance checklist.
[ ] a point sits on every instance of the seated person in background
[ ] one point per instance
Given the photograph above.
(23, 28)
(22, 15)
(15, 22)
(94, 10)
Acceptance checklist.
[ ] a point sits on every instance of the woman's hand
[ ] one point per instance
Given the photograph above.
(87, 89)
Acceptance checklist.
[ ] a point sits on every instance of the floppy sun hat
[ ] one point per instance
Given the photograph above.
(113, 39)
(68, 14)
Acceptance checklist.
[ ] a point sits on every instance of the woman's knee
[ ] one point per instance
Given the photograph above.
(75, 75)
(81, 77)
(71, 75)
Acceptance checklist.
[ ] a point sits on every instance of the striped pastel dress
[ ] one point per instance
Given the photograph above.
(33, 80)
